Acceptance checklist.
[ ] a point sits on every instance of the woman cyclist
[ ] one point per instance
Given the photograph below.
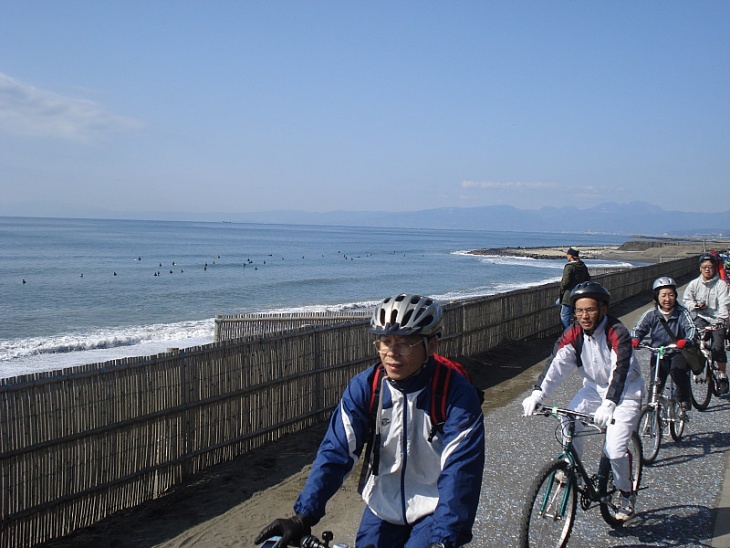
(664, 324)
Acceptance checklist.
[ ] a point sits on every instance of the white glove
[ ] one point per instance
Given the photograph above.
(604, 414)
(530, 403)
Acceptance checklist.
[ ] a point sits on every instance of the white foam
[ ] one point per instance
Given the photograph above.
(104, 339)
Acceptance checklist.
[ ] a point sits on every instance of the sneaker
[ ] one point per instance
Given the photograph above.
(625, 510)
(722, 383)
(684, 406)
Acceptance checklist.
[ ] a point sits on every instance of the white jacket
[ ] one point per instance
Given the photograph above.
(714, 293)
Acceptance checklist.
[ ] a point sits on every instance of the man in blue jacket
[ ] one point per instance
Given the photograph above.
(424, 482)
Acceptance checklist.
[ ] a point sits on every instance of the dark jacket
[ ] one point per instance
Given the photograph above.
(574, 273)
(680, 324)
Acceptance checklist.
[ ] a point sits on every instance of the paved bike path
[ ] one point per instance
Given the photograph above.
(682, 501)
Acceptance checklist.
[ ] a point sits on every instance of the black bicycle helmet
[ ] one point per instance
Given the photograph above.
(405, 315)
(708, 257)
(594, 290)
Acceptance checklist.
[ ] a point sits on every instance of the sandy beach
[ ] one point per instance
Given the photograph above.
(229, 504)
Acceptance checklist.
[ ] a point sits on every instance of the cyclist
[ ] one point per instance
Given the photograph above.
(574, 272)
(599, 347)
(664, 324)
(425, 492)
(708, 300)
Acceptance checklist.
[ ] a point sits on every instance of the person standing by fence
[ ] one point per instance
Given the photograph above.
(423, 477)
(574, 272)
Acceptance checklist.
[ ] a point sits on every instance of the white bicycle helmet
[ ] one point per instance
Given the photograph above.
(405, 315)
(663, 283)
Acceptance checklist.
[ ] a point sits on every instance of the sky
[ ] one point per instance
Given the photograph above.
(141, 108)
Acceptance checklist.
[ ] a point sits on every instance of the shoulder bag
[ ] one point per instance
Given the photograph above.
(695, 358)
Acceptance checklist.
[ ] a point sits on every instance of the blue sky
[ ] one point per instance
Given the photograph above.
(228, 106)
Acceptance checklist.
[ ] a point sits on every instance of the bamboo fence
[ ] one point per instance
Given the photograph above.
(80, 444)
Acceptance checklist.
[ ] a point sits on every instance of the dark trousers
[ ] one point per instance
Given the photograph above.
(676, 366)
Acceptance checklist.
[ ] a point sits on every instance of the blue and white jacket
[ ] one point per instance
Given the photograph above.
(416, 477)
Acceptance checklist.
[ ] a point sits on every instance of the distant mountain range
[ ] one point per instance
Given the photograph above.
(635, 218)
(632, 218)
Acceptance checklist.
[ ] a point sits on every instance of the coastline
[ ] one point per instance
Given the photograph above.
(631, 251)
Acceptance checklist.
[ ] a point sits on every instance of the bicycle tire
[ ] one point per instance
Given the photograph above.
(607, 490)
(702, 388)
(650, 433)
(676, 427)
(548, 515)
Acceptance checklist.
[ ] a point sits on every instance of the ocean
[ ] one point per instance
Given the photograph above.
(78, 291)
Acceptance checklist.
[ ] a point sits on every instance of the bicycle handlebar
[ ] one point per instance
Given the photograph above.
(713, 327)
(657, 349)
(547, 411)
(310, 541)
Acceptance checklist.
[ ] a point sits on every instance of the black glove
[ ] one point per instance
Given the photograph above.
(291, 531)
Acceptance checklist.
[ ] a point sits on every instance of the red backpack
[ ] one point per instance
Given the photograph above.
(720, 265)
(439, 391)
(440, 383)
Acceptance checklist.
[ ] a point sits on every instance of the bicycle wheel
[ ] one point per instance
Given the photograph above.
(607, 489)
(547, 518)
(702, 389)
(676, 427)
(650, 433)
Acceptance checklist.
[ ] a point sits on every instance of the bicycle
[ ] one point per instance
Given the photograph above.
(660, 411)
(708, 382)
(309, 541)
(548, 516)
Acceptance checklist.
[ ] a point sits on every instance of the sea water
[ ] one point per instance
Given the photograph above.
(77, 291)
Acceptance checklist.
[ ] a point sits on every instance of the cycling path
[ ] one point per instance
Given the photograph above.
(681, 495)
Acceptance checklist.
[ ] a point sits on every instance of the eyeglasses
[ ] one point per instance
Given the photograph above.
(401, 348)
(708, 267)
(585, 311)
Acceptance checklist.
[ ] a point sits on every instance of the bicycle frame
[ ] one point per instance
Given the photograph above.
(706, 342)
(549, 515)
(570, 454)
(657, 396)
(711, 368)
(655, 363)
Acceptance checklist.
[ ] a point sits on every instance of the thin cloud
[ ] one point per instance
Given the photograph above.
(518, 186)
(521, 187)
(535, 194)
(28, 111)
